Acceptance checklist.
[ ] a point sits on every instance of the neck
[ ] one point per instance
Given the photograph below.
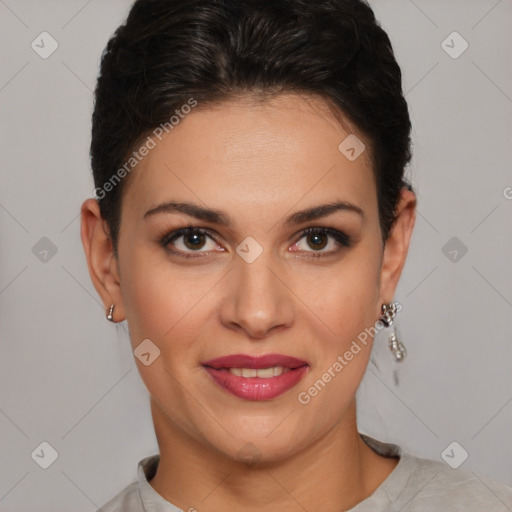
(338, 472)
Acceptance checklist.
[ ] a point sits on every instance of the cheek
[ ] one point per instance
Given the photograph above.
(163, 306)
(163, 302)
(346, 307)
(343, 302)
(343, 296)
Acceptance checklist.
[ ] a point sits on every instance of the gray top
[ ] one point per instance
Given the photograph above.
(415, 485)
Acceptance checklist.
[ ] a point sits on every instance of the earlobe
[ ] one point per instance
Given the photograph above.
(397, 245)
(101, 260)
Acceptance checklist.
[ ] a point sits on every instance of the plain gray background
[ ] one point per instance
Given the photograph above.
(68, 376)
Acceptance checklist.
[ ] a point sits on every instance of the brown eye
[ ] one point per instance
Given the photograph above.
(194, 240)
(317, 241)
(189, 240)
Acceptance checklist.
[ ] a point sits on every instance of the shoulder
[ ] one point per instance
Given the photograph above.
(419, 485)
(139, 494)
(433, 485)
(128, 500)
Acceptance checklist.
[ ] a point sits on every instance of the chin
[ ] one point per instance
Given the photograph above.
(261, 447)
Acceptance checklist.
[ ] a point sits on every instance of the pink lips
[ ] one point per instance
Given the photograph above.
(256, 388)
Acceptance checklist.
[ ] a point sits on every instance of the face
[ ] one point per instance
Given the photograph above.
(260, 270)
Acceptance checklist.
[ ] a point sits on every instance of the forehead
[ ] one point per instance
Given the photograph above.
(281, 149)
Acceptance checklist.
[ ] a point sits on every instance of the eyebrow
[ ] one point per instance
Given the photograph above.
(219, 217)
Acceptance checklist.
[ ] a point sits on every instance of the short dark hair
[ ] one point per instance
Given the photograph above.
(169, 51)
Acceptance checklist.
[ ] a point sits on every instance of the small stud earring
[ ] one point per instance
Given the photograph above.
(109, 315)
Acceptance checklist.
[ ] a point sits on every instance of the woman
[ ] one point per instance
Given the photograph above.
(251, 221)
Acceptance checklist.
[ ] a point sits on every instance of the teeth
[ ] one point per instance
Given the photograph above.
(249, 372)
(262, 373)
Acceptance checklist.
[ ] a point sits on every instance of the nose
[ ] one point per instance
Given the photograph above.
(259, 300)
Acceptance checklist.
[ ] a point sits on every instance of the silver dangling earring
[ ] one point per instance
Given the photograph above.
(109, 315)
(395, 345)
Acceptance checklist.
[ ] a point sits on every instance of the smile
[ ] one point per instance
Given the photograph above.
(256, 378)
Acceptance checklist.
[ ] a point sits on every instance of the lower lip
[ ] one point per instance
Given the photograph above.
(256, 388)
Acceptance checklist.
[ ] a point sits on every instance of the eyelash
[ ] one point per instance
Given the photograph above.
(342, 238)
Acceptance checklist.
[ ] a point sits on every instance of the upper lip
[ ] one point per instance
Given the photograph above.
(247, 361)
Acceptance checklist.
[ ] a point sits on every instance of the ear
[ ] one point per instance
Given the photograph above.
(397, 246)
(101, 260)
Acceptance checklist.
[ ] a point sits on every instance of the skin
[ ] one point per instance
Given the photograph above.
(258, 162)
